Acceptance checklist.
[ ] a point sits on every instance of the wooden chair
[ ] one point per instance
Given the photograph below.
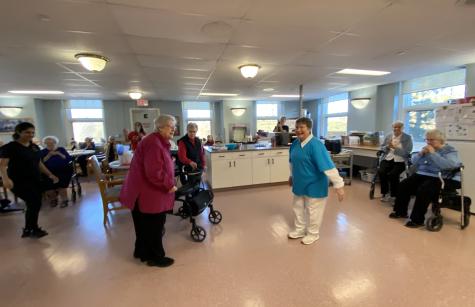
(109, 188)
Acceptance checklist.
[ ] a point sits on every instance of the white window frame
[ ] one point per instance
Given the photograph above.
(198, 119)
(86, 120)
(405, 110)
(325, 116)
(275, 118)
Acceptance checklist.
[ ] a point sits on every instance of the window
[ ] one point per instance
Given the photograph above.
(419, 108)
(267, 114)
(421, 96)
(87, 119)
(335, 116)
(199, 113)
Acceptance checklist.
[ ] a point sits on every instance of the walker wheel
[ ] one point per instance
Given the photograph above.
(79, 191)
(371, 191)
(434, 223)
(198, 233)
(215, 217)
(73, 196)
(182, 213)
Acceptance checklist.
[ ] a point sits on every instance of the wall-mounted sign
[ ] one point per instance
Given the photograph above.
(142, 103)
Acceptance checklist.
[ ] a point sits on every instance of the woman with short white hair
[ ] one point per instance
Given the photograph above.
(149, 191)
(57, 161)
(434, 158)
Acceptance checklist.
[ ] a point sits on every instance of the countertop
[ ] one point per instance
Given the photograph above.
(367, 147)
(246, 147)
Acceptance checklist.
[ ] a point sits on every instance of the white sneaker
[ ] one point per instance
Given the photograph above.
(309, 239)
(296, 234)
(386, 198)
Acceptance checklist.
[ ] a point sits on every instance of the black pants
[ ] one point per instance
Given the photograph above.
(389, 172)
(32, 197)
(82, 160)
(148, 234)
(425, 188)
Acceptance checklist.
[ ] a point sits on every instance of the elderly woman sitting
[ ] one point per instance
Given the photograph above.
(58, 162)
(425, 184)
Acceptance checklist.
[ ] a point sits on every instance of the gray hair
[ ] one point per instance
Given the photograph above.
(191, 125)
(436, 134)
(306, 121)
(50, 137)
(398, 123)
(163, 120)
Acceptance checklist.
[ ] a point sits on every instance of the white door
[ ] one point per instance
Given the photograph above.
(242, 172)
(222, 174)
(261, 170)
(279, 170)
(145, 116)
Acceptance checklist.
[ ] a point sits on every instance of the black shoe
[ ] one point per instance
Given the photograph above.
(64, 204)
(411, 224)
(140, 256)
(26, 233)
(38, 233)
(161, 262)
(395, 215)
(53, 203)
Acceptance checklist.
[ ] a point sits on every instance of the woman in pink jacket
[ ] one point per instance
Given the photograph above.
(149, 191)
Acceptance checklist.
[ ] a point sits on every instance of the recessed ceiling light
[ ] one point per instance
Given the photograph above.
(285, 96)
(269, 89)
(218, 94)
(36, 92)
(362, 72)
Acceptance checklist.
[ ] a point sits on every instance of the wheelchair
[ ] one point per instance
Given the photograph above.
(451, 199)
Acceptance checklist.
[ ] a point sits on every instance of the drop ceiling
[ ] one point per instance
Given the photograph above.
(175, 49)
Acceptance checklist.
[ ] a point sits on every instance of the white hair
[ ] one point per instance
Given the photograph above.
(163, 120)
(191, 125)
(398, 123)
(436, 134)
(50, 137)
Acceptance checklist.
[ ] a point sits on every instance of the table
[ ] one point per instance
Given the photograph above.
(115, 165)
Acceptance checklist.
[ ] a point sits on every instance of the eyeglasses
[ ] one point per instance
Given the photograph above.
(430, 140)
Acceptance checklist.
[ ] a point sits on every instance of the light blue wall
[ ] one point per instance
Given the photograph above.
(363, 119)
(311, 107)
(385, 106)
(117, 114)
(52, 115)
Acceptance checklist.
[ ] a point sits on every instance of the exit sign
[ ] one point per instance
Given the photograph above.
(142, 103)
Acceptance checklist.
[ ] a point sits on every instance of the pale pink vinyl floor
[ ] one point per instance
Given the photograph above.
(363, 258)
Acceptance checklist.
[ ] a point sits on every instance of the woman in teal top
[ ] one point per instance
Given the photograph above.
(311, 167)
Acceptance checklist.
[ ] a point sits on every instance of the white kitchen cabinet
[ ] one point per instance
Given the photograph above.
(260, 170)
(279, 168)
(231, 170)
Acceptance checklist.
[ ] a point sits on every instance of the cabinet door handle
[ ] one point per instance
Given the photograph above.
(261, 154)
(221, 156)
(242, 155)
(229, 163)
(272, 160)
(268, 161)
(234, 163)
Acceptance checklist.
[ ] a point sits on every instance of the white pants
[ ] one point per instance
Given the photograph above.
(311, 209)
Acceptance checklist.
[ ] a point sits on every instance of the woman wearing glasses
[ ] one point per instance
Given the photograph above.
(425, 184)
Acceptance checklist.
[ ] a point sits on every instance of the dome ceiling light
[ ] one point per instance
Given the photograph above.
(249, 71)
(92, 62)
(135, 95)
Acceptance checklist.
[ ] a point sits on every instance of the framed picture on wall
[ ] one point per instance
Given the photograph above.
(7, 125)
